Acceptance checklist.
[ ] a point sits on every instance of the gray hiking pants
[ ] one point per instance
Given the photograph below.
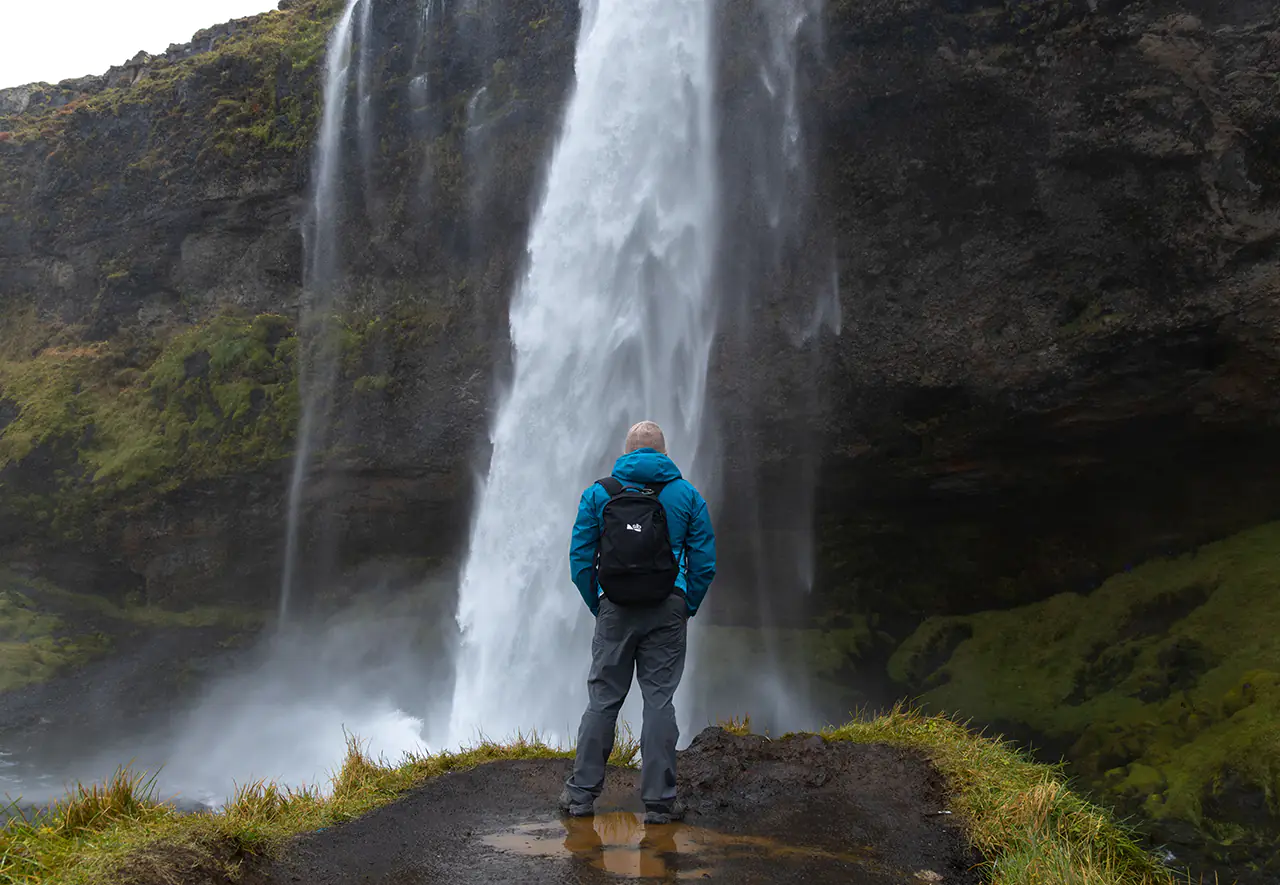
(649, 642)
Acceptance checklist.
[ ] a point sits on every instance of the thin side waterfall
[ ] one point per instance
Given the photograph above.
(364, 92)
(612, 323)
(785, 297)
(317, 364)
(780, 74)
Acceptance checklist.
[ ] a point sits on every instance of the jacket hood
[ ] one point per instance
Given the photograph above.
(646, 465)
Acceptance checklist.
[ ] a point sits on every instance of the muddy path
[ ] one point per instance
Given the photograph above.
(793, 810)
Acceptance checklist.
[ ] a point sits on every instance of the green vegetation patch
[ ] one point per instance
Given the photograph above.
(46, 631)
(45, 596)
(208, 402)
(240, 75)
(32, 647)
(1165, 681)
(92, 430)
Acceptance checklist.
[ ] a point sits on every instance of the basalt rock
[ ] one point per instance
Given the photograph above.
(1047, 238)
(153, 205)
(1058, 228)
(1012, 326)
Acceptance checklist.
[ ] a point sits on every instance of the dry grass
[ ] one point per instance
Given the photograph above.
(735, 725)
(121, 831)
(626, 747)
(1022, 817)
(126, 796)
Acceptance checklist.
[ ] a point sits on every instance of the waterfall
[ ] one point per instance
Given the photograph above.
(364, 92)
(612, 323)
(318, 363)
(780, 294)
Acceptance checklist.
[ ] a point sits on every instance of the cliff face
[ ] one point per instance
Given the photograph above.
(1053, 233)
(1049, 235)
(1058, 227)
(150, 271)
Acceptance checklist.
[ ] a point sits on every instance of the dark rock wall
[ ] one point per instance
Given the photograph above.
(1053, 232)
(1057, 228)
(128, 214)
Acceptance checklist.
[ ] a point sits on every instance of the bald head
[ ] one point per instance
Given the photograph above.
(645, 435)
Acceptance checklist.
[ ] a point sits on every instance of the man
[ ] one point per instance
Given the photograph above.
(647, 638)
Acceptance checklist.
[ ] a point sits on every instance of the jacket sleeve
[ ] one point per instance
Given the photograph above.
(700, 548)
(582, 549)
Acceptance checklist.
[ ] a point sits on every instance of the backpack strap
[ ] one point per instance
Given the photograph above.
(615, 488)
(611, 485)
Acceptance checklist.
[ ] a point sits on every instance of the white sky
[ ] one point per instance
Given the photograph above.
(52, 40)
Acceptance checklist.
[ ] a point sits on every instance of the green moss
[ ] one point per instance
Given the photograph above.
(214, 400)
(373, 383)
(31, 647)
(230, 101)
(105, 427)
(46, 631)
(131, 612)
(1165, 681)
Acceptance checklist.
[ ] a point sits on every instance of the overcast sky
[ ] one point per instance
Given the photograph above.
(52, 40)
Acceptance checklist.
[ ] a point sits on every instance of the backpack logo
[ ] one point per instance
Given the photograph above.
(634, 528)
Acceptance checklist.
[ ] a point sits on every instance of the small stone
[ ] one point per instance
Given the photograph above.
(928, 876)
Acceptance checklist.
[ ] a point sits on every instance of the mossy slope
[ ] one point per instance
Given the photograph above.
(32, 647)
(95, 421)
(247, 84)
(1164, 683)
(46, 631)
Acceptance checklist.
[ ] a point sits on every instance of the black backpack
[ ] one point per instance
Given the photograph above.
(635, 564)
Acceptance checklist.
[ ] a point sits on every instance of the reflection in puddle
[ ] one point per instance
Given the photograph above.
(621, 844)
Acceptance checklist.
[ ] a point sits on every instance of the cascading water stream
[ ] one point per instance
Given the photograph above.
(613, 323)
(776, 303)
(316, 370)
(364, 92)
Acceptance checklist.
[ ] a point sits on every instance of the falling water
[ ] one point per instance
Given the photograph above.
(316, 370)
(611, 324)
(779, 296)
(364, 91)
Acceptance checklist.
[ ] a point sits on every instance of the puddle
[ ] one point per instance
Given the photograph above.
(621, 844)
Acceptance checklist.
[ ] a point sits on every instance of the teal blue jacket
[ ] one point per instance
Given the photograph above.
(692, 539)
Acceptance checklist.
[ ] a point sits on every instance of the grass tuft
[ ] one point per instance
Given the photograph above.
(734, 725)
(1020, 815)
(626, 747)
(127, 795)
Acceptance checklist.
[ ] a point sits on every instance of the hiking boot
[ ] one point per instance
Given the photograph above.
(574, 809)
(665, 814)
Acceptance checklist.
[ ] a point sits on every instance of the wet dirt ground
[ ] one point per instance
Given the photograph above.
(787, 811)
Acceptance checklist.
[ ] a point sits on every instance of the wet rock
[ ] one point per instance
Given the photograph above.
(1050, 241)
(757, 819)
